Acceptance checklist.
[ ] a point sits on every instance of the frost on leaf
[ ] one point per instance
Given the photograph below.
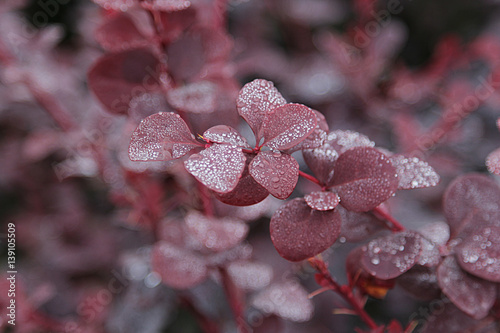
(470, 294)
(218, 167)
(165, 5)
(278, 173)
(430, 255)
(364, 178)
(437, 232)
(299, 232)
(421, 282)
(198, 97)
(469, 199)
(161, 137)
(287, 300)
(146, 105)
(217, 234)
(225, 134)
(390, 256)
(493, 162)
(119, 33)
(357, 227)
(247, 192)
(117, 5)
(479, 252)
(414, 173)
(178, 268)
(255, 100)
(288, 125)
(115, 77)
(250, 275)
(322, 200)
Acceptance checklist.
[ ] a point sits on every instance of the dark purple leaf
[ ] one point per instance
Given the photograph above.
(390, 256)
(288, 125)
(216, 234)
(322, 200)
(119, 33)
(225, 134)
(365, 178)
(165, 5)
(421, 282)
(357, 227)
(255, 101)
(470, 198)
(493, 162)
(287, 300)
(218, 167)
(276, 172)
(299, 232)
(116, 78)
(470, 294)
(161, 137)
(479, 252)
(178, 268)
(414, 173)
(198, 97)
(250, 275)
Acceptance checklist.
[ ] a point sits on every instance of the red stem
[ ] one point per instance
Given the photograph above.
(344, 291)
(396, 226)
(235, 298)
(309, 177)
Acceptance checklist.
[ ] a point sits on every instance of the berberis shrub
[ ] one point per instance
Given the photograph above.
(252, 166)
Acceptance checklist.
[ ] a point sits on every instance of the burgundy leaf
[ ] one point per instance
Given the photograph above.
(165, 5)
(218, 167)
(288, 125)
(479, 252)
(390, 256)
(357, 227)
(118, 77)
(255, 101)
(321, 120)
(217, 234)
(278, 173)
(299, 232)
(146, 105)
(118, 33)
(161, 137)
(414, 173)
(225, 134)
(322, 200)
(470, 294)
(436, 232)
(493, 162)
(421, 282)
(176, 23)
(177, 267)
(448, 318)
(469, 198)
(287, 300)
(186, 56)
(247, 192)
(239, 252)
(365, 178)
(198, 97)
(430, 255)
(314, 140)
(250, 275)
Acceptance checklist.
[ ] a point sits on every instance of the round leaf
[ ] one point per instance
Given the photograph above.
(365, 178)
(448, 318)
(198, 97)
(299, 232)
(225, 134)
(414, 173)
(118, 33)
(421, 282)
(322, 200)
(493, 162)
(357, 227)
(250, 275)
(165, 5)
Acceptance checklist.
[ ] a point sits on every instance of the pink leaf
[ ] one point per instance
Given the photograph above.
(450, 319)
(414, 173)
(250, 275)
(365, 178)
(390, 256)
(288, 125)
(116, 78)
(161, 137)
(278, 173)
(165, 5)
(177, 267)
(322, 200)
(225, 134)
(119, 33)
(218, 167)
(287, 300)
(217, 234)
(299, 232)
(493, 162)
(479, 252)
(198, 97)
(470, 294)
(117, 5)
(255, 101)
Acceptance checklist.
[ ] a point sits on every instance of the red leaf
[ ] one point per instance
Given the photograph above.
(198, 97)
(161, 137)
(357, 227)
(365, 178)
(186, 56)
(420, 282)
(493, 162)
(322, 200)
(299, 232)
(256, 99)
(470, 294)
(217, 234)
(165, 5)
(146, 105)
(278, 173)
(288, 125)
(118, 77)
(479, 252)
(119, 33)
(177, 267)
(218, 167)
(414, 173)
(225, 134)
(469, 198)
(390, 256)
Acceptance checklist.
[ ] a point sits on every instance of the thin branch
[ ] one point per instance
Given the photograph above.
(395, 225)
(309, 177)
